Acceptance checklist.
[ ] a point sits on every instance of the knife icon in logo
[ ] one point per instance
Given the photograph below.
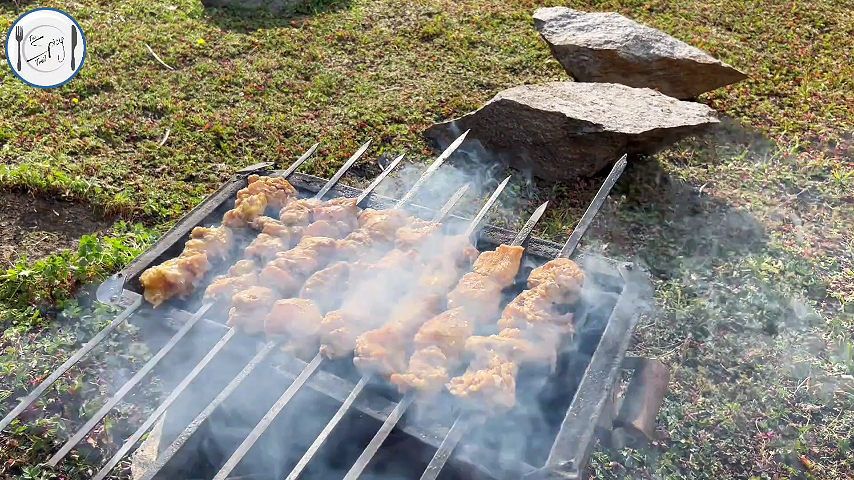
(73, 47)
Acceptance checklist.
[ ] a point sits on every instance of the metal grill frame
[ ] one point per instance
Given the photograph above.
(593, 405)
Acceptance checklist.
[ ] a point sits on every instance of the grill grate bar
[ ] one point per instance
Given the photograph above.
(265, 422)
(201, 417)
(345, 406)
(376, 442)
(324, 434)
(398, 412)
(149, 422)
(127, 387)
(464, 421)
(309, 369)
(100, 336)
(11, 416)
(89, 425)
(455, 434)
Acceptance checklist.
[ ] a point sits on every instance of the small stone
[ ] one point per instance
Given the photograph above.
(610, 48)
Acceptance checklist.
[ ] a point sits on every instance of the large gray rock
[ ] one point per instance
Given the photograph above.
(610, 48)
(563, 130)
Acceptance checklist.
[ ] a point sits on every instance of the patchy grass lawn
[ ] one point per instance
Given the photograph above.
(748, 232)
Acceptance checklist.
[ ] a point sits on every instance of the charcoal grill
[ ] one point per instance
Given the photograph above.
(560, 417)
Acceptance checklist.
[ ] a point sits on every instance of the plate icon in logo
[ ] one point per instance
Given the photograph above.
(45, 48)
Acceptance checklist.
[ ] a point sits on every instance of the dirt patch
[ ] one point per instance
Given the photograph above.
(37, 227)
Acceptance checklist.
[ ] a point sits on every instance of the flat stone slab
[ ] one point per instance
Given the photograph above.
(610, 48)
(564, 130)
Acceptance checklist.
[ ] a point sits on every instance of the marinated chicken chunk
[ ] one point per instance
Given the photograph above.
(298, 212)
(449, 330)
(330, 229)
(490, 382)
(340, 328)
(500, 265)
(216, 242)
(325, 287)
(176, 277)
(478, 295)
(297, 318)
(277, 191)
(564, 274)
(382, 225)
(427, 372)
(384, 350)
(224, 288)
(245, 212)
(537, 306)
(413, 235)
(249, 309)
(338, 210)
(520, 346)
(265, 247)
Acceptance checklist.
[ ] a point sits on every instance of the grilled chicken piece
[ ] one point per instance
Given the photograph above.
(277, 191)
(327, 228)
(427, 372)
(245, 212)
(439, 346)
(478, 295)
(339, 330)
(338, 210)
(249, 309)
(416, 233)
(449, 330)
(287, 270)
(298, 212)
(500, 265)
(438, 277)
(459, 249)
(384, 350)
(491, 382)
(216, 243)
(265, 247)
(262, 192)
(296, 318)
(382, 224)
(358, 245)
(564, 274)
(326, 286)
(224, 288)
(176, 277)
(242, 267)
(277, 228)
(520, 346)
(537, 306)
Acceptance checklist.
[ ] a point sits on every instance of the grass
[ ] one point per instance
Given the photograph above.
(747, 232)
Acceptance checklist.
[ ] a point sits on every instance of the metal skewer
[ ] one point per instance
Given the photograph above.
(307, 372)
(265, 422)
(395, 416)
(467, 420)
(348, 402)
(130, 442)
(100, 336)
(127, 387)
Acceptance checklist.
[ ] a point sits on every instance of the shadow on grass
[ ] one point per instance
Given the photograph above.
(734, 318)
(246, 16)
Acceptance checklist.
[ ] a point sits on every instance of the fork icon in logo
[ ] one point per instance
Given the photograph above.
(19, 36)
